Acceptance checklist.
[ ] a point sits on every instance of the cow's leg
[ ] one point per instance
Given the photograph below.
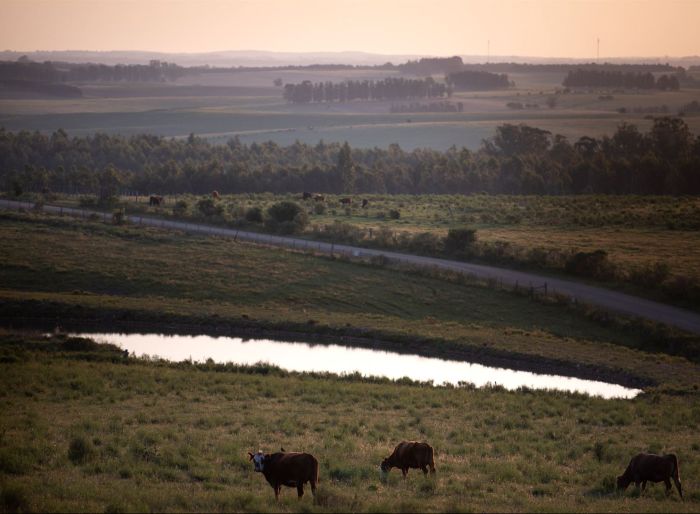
(667, 483)
(313, 487)
(644, 486)
(678, 486)
(425, 470)
(404, 471)
(300, 490)
(277, 492)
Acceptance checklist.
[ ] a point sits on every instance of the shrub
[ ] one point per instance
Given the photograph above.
(80, 450)
(319, 208)
(87, 201)
(286, 217)
(458, 240)
(13, 499)
(180, 208)
(118, 217)
(394, 214)
(254, 215)
(590, 264)
(425, 242)
(209, 208)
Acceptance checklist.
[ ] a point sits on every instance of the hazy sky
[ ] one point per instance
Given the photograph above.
(556, 28)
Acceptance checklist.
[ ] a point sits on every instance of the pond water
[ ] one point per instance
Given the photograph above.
(343, 360)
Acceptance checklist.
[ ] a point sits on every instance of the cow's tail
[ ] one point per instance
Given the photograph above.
(317, 477)
(676, 473)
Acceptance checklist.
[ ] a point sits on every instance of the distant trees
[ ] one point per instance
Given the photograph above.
(475, 80)
(433, 65)
(619, 79)
(26, 70)
(387, 89)
(518, 159)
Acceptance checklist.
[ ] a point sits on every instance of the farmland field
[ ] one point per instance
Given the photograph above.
(93, 431)
(219, 106)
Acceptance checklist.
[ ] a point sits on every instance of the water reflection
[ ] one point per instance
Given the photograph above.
(342, 359)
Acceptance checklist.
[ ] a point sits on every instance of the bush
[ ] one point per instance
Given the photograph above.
(425, 242)
(458, 240)
(209, 208)
(180, 208)
(87, 201)
(394, 214)
(13, 499)
(80, 450)
(590, 264)
(254, 215)
(319, 208)
(286, 217)
(118, 217)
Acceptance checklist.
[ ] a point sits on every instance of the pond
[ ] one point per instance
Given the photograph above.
(339, 359)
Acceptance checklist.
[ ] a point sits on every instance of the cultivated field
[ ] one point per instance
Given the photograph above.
(247, 104)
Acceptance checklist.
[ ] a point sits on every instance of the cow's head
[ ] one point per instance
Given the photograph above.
(258, 460)
(385, 466)
(623, 482)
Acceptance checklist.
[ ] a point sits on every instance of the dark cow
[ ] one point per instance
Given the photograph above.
(410, 454)
(155, 200)
(306, 195)
(365, 202)
(215, 195)
(346, 201)
(319, 198)
(287, 468)
(647, 467)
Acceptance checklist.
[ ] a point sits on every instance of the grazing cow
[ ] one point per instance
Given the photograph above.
(346, 201)
(319, 198)
(365, 202)
(306, 195)
(647, 467)
(155, 201)
(215, 195)
(409, 454)
(287, 468)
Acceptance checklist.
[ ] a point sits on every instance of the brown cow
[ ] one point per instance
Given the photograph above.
(155, 201)
(346, 201)
(647, 467)
(215, 195)
(365, 203)
(410, 454)
(287, 468)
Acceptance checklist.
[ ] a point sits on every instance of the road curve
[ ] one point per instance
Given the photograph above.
(598, 296)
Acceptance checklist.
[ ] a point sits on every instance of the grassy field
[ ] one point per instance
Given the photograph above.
(93, 431)
(79, 268)
(90, 431)
(246, 104)
(639, 234)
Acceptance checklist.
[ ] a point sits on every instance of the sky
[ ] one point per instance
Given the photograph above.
(542, 28)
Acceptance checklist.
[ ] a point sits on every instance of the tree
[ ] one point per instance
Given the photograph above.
(346, 169)
(109, 182)
(286, 217)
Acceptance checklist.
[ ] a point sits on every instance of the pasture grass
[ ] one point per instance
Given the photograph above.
(92, 431)
(61, 268)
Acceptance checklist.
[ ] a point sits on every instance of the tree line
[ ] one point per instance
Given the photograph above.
(619, 79)
(475, 80)
(386, 89)
(518, 159)
(48, 71)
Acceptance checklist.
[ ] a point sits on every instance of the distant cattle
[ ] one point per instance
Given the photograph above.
(155, 201)
(215, 195)
(319, 198)
(407, 455)
(287, 468)
(365, 202)
(647, 467)
(306, 195)
(346, 201)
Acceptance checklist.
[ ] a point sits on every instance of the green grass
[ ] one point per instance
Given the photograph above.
(60, 267)
(91, 432)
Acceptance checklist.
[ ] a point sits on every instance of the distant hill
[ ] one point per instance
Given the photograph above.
(265, 58)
